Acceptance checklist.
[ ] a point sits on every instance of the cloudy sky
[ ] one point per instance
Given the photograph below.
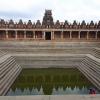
(62, 9)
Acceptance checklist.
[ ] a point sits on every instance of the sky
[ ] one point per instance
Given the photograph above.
(61, 9)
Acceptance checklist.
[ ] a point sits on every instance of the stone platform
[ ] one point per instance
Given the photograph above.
(56, 97)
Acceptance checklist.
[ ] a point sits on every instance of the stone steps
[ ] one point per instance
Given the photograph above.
(91, 69)
(91, 72)
(2, 53)
(84, 56)
(88, 75)
(48, 44)
(5, 63)
(45, 61)
(6, 77)
(92, 64)
(9, 80)
(47, 50)
(96, 52)
(9, 70)
(68, 50)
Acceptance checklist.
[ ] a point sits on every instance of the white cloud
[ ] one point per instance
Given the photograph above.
(62, 9)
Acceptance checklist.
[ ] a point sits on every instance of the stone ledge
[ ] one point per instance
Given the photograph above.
(52, 97)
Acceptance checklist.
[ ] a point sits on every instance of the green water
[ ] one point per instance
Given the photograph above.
(50, 82)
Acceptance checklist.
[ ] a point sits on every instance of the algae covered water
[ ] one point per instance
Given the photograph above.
(50, 81)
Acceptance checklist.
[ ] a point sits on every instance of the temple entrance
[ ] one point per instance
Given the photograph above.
(47, 35)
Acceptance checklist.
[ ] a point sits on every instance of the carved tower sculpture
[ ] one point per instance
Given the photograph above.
(48, 19)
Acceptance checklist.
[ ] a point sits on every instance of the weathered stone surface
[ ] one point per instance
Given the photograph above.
(57, 97)
(84, 56)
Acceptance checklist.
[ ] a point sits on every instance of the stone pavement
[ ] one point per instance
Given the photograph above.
(52, 97)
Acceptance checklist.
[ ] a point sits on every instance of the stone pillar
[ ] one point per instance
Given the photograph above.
(24, 34)
(70, 34)
(7, 34)
(15, 34)
(52, 35)
(79, 35)
(87, 35)
(43, 34)
(61, 35)
(96, 35)
(33, 34)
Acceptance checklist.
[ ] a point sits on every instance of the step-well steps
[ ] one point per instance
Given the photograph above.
(93, 74)
(9, 70)
(96, 53)
(5, 63)
(48, 50)
(6, 66)
(6, 69)
(92, 79)
(6, 77)
(93, 61)
(2, 53)
(4, 58)
(91, 69)
(95, 66)
(10, 79)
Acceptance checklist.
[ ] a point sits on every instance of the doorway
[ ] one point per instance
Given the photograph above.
(47, 35)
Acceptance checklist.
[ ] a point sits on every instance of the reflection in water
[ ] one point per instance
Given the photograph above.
(50, 82)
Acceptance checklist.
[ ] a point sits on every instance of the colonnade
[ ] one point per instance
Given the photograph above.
(53, 35)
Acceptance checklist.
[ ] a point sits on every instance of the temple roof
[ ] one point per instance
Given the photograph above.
(48, 23)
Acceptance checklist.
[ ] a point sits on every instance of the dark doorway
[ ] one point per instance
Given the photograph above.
(47, 35)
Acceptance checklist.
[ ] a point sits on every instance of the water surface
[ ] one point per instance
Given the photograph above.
(50, 82)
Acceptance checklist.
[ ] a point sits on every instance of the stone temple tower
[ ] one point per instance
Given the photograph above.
(48, 19)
